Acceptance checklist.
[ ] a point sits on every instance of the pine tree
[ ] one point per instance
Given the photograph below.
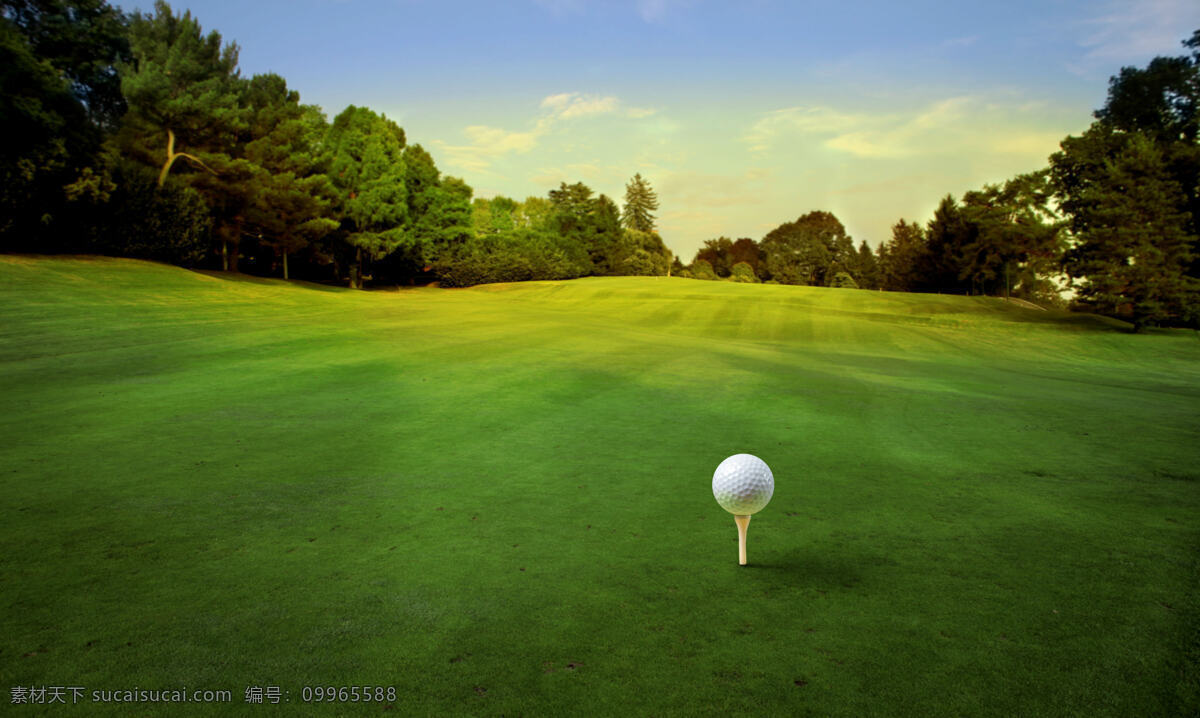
(901, 257)
(940, 264)
(367, 167)
(868, 267)
(182, 88)
(291, 206)
(640, 202)
(1133, 248)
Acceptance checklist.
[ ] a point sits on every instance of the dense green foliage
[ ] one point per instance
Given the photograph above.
(809, 251)
(900, 257)
(58, 97)
(498, 499)
(1115, 217)
(249, 177)
(252, 179)
(1130, 186)
(368, 171)
(1134, 249)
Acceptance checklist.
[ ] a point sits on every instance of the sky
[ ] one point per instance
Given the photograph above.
(742, 114)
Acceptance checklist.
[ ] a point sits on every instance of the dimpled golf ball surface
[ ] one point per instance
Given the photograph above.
(743, 484)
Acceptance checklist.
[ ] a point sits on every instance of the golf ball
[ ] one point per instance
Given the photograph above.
(743, 484)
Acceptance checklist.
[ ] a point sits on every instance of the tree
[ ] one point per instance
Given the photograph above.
(640, 204)
(182, 88)
(804, 251)
(1146, 133)
(1015, 237)
(493, 216)
(421, 178)
(1132, 246)
(745, 250)
(367, 168)
(59, 96)
(867, 266)
(843, 280)
(447, 217)
(37, 110)
(718, 253)
(701, 269)
(444, 231)
(1162, 101)
(140, 219)
(572, 207)
(843, 258)
(186, 100)
(591, 222)
(901, 257)
(641, 254)
(292, 202)
(940, 264)
(603, 237)
(533, 213)
(84, 40)
(743, 272)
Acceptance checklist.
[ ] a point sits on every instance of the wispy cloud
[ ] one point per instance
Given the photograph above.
(803, 120)
(1135, 30)
(569, 105)
(485, 144)
(949, 126)
(651, 11)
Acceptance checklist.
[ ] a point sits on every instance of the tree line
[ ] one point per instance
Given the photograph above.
(1116, 212)
(136, 135)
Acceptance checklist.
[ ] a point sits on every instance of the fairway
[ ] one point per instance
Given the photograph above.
(497, 500)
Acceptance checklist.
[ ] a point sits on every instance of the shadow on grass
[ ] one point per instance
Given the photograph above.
(806, 569)
(238, 277)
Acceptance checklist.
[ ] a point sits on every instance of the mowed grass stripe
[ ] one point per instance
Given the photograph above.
(497, 499)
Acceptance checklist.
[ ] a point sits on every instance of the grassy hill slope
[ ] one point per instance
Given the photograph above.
(497, 500)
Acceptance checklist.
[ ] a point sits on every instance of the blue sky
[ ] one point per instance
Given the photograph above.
(742, 115)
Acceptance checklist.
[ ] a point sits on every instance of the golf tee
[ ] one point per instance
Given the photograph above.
(743, 523)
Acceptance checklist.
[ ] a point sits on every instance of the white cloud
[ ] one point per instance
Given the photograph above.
(953, 125)
(486, 144)
(803, 120)
(569, 105)
(489, 143)
(500, 141)
(1134, 31)
(648, 10)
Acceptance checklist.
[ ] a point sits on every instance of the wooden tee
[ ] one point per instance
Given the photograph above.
(743, 523)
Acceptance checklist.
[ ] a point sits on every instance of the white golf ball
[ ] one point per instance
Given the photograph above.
(743, 484)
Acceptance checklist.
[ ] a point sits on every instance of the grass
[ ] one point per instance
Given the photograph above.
(497, 499)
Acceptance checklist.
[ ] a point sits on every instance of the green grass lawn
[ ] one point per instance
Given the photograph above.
(497, 500)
